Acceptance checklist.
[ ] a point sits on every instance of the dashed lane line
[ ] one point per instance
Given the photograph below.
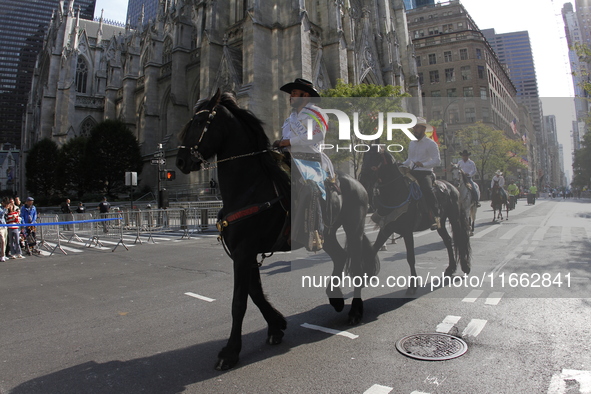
(447, 324)
(472, 296)
(378, 389)
(345, 334)
(474, 328)
(494, 298)
(200, 297)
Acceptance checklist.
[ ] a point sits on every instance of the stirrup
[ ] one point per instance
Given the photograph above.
(437, 224)
(315, 241)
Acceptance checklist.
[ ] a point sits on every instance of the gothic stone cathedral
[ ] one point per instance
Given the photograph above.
(151, 77)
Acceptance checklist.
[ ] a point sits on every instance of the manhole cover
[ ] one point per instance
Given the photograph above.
(432, 347)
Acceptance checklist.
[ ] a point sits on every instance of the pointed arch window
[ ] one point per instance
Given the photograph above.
(81, 75)
(167, 51)
(86, 127)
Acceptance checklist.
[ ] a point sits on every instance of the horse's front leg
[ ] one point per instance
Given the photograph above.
(447, 241)
(275, 321)
(339, 258)
(229, 355)
(409, 243)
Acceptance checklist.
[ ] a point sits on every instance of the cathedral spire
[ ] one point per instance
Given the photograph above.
(99, 33)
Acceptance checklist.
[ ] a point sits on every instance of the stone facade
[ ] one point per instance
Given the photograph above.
(151, 77)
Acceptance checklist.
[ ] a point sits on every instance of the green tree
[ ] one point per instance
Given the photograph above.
(582, 164)
(111, 150)
(41, 168)
(71, 174)
(369, 100)
(491, 149)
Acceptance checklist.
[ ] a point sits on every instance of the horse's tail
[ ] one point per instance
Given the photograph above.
(461, 232)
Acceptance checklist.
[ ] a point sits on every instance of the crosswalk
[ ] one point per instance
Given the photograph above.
(75, 244)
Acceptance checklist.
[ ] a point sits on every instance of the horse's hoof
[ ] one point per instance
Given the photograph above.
(354, 320)
(224, 364)
(449, 272)
(471, 233)
(337, 303)
(335, 297)
(276, 338)
(356, 312)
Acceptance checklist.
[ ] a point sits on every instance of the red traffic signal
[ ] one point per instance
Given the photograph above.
(170, 175)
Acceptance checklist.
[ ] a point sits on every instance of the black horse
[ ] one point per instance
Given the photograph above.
(256, 212)
(402, 211)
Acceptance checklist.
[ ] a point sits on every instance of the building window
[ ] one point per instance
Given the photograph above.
(449, 75)
(447, 56)
(452, 92)
(81, 75)
(167, 51)
(434, 76)
(460, 25)
(448, 28)
(466, 73)
(433, 31)
(470, 115)
(432, 58)
(418, 61)
(468, 91)
(481, 72)
(454, 116)
(421, 79)
(86, 127)
(478, 53)
(483, 93)
(464, 54)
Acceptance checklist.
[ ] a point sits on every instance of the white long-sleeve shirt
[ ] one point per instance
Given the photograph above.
(424, 150)
(468, 166)
(501, 180)
(295, 129)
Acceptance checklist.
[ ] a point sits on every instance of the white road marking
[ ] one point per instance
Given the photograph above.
(418, 392)
(482, 233)
(494, 298)
(472, 296)
(558, 382)
(539, 234)
(511, 233)
(378, 389)
(473, 328)
(330, 331)
(566, 235)
(67, 249)
(525, 257)
(447, 324)
(200, 297)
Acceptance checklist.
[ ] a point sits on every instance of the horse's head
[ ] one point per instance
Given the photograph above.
(199, 142)
(455, 174)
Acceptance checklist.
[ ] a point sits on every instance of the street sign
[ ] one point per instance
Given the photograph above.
(155, 162)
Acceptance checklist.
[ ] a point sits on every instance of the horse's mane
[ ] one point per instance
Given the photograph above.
(244, 116)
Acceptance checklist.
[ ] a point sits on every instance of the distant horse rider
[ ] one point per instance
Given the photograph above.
(469, 168)
(423, 155)
(311, 163)
(500, 180)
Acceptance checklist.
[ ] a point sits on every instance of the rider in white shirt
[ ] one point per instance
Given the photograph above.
(423, 155)
(499, 178)
(469, 168)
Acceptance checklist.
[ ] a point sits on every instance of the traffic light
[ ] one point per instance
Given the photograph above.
(170, 175)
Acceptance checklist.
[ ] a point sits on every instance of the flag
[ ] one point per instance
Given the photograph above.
(513, 125)
(433, 135)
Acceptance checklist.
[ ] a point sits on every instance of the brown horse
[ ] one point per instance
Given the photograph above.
(498, 199)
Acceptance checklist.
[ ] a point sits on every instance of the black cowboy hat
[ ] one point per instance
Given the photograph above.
(465, 153)
(301, 84)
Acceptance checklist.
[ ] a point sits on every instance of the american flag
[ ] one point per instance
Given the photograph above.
(513, 125)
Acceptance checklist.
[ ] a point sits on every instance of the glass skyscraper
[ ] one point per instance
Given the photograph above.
(22, 28)
(134, 10)
(412, 4)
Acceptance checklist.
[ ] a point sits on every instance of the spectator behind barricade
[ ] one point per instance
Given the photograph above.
(17, 204)
(66, 206)
(81, 208)
(104, 207)
(14, 231)
(29, 211)
(3, 229)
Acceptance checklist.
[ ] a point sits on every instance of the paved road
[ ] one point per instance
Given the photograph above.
(98, 321)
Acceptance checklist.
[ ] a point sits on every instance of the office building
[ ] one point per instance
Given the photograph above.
(22, 29)
(144, 10)
(461, 78)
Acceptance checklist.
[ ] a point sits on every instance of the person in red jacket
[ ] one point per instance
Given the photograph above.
(13, 217)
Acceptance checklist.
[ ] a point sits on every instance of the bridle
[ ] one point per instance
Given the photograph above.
(196, 156)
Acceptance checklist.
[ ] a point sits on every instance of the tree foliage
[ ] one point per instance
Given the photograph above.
(582, 164)
(95, 164)
(40, 168)
(111, 150)
(368, 100)
(491, 149)
(72, 167)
